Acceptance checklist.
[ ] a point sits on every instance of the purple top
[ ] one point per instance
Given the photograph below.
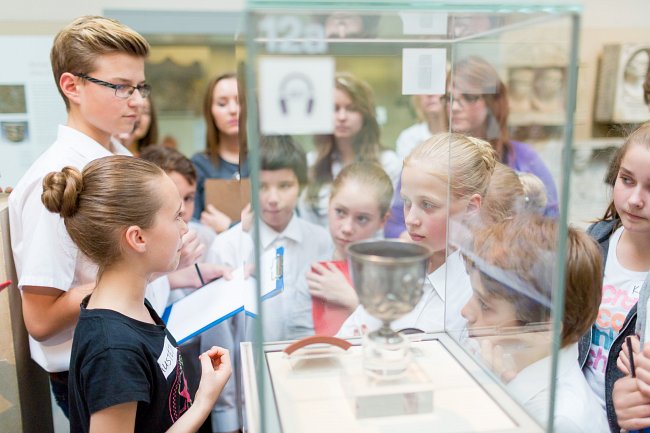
(525, 160)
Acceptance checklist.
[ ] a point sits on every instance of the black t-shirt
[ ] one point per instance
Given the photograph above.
(116, 359)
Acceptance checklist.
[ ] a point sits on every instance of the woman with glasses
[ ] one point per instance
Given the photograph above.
(476, 104)
(356, 138)
(220, 159)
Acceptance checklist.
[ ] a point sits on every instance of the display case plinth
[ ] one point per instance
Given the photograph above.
(409, 393)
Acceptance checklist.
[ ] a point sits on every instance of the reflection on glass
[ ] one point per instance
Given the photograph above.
(511, 266)
(356, 138)
(486, 117)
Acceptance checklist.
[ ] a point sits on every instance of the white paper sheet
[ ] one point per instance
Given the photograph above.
(222, 299)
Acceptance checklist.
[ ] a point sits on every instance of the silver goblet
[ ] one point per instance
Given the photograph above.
(388, 276)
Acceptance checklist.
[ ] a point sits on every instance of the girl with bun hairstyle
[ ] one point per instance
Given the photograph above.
(126, 373)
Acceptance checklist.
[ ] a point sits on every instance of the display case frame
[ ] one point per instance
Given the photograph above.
(522, 16)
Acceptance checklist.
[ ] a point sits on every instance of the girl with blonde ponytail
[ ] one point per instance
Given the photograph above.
(445, 178)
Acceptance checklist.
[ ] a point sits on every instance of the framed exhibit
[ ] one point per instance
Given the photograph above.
(619, 96)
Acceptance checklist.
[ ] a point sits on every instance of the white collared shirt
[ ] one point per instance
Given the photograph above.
(576, 408)
(446, 291)
(409, 138)
(288, 314)
(43, 252)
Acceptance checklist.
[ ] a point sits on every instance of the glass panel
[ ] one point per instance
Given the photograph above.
(358, 121)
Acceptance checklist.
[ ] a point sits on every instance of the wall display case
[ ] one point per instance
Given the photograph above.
(476, 289)
(619, 97)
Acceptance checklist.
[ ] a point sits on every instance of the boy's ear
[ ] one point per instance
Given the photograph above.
(474, 204)
(135, 239)
(70, 87)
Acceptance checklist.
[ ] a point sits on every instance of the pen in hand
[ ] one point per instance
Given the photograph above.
(198, 271)
(630, 355)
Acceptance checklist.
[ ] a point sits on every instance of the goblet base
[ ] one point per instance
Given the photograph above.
(386, 355)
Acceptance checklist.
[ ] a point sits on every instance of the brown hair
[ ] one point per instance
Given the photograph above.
(367, 145)
(469, 162)
(170, 160)
(100, 203)
(278, 152)
(640, 136)
(212, 132)
(372, 177)
(477, 73)
(151, 137)
(525, 246)
(646, 84)
(504, 197)
(78, 45)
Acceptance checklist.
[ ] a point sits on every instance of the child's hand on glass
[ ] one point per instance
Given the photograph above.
(498, 360)
(215, 219)
(327, 282)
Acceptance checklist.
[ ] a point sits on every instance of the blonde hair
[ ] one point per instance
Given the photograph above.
(98, 204)
(77, 46)
(504, 197)
(372, 177)
(534, 192)
(466, 162)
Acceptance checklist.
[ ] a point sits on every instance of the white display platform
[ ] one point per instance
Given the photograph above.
(310, 395)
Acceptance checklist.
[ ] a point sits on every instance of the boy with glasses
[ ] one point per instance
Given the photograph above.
(98, 66)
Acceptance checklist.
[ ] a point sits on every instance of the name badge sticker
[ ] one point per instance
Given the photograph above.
(168, 358)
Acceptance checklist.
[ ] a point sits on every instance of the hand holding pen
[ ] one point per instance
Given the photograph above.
(208, 272)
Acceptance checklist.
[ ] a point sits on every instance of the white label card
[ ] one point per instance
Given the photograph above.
(424, 71)
(168, 358)
(424, 23)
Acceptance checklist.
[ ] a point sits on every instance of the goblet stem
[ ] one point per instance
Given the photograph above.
(387, 335)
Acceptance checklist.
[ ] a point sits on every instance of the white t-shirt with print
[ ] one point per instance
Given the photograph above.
(620, 293)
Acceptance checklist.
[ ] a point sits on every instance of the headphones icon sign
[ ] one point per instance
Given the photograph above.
(296, 86)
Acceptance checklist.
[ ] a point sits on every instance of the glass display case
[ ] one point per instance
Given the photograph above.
(381, 119)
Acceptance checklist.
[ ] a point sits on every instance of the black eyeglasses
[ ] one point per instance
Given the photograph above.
(463, 99)
(122, 91)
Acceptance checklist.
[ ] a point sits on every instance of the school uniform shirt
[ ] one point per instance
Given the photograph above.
(446, 291)
(409, 138)
(317, 212)
(43, 252)
(621, 289)
(116, 360)
(576, 408)
(289, 315)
